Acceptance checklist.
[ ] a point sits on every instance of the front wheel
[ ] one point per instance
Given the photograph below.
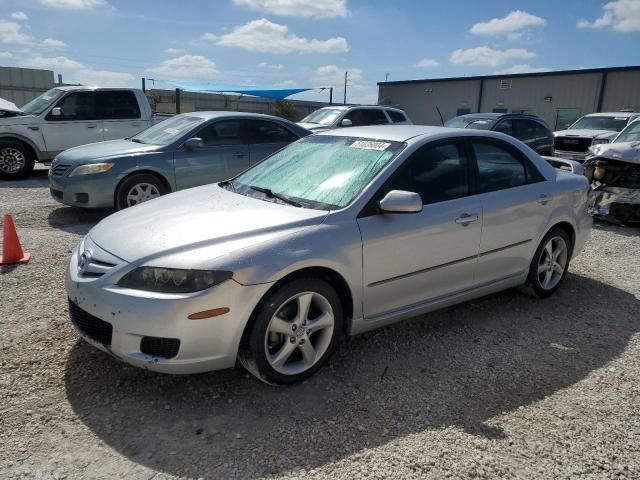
(16, 161)
(139, 188)
(550, 263)
(294, 332)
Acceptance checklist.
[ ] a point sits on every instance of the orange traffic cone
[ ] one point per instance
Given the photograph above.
(11, 249)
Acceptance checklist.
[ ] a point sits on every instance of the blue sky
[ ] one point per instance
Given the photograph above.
(310, 43)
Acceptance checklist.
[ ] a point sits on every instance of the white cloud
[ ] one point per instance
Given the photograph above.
(267, 37)
(104, 78)
(286, 83)
(488, 57)
(4, 55)
(510, 25)
(52, 63)
(53, 43)
(192, 67)
(11, 32)
(74, 4)
(270, 66)
(299, 8)
(621, 15)
(332, 75)
(174, 51)
(19, 16)
(427, 63)
(523, 68)
(208, 37)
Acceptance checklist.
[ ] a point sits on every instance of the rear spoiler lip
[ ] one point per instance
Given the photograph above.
(562, 164)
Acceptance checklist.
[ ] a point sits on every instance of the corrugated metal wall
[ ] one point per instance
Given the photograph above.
(554, 98)
(21, 85)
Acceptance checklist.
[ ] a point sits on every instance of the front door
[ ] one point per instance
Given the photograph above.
(78, 123)
(121, 114)
(267, 137)
(416, 257)
(514, 203)
(225, 153)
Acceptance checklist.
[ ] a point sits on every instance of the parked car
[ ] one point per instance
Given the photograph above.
(341, 232)
(529, 129)
(338, 116)
(614, 170)
(185, 151)
(65, 117)
(590, 130)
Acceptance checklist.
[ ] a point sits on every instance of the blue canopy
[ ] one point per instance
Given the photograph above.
(273, 93)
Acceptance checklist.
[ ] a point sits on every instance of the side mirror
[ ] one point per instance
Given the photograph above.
(346, 122)
(56, 112)
(399, 201)
(194, 143)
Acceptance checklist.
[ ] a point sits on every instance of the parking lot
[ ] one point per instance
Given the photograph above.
(507, 386)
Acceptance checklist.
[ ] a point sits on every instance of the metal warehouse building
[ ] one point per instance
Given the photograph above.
(558, 97)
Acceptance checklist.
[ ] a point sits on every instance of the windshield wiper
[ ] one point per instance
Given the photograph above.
(269, 193)
(136, 140)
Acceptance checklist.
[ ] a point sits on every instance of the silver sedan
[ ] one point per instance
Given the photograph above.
(336, 234)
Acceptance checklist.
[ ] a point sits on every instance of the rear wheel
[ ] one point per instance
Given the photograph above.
(550, 263)
(293, 333)
(16, 161)
(139, 188)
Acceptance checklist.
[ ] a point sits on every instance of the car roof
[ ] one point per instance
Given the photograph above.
(495, 116)
(208, 115)
(348, 107)
(613, 114)
(403, 133)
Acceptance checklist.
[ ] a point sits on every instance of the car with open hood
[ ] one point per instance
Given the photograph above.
(338, 233)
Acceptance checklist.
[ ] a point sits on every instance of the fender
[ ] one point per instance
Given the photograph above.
(40, 155)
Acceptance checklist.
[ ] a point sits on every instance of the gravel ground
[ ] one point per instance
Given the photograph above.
(503, 387)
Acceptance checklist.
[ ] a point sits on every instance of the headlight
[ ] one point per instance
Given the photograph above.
(599, 141)
(91, 168)
(171, 280)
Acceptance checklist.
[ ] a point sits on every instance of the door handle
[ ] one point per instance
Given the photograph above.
(543, 199)
(466, 218)
(239, 154)
(91, 126)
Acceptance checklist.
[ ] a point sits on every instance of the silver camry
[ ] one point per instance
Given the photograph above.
(338, 233)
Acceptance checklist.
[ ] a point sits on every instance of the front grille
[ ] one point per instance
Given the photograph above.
(59, 169)
(160, 347)
(572, 144)
(91, 326)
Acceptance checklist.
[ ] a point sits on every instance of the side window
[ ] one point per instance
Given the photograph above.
(76, 106)
(542, 131)
(504, 126)
(525, 129)
(226, 132)
(533, 174)
(396, 116)
(366, 116)
(118, 104)
(498, 167)
(270, 132)
(438, 173)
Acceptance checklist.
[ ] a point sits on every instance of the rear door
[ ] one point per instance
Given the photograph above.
(514, 198)
(366, 116)
(266, 137)
(78, 124)
(415, 257)
(225, 153)
(121, 114)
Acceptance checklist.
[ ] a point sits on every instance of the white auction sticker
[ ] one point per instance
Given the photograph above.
(370, 145)
(172, 131)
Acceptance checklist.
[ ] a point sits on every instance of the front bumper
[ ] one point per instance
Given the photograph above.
(204, 345)
(616, 205)
(86, 191)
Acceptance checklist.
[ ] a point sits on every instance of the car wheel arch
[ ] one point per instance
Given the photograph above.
(128, 175)
(27, 144)
(567, 227)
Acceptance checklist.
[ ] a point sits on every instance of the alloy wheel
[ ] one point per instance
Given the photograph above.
(12, 160)
(552, 263)
(299, 333)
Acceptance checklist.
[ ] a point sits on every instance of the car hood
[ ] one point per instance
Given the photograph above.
(314, 127)
(195, 227)
(102, 150)
(586, 133)
(623, 151)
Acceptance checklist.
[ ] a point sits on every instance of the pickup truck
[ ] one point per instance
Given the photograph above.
(66, 117)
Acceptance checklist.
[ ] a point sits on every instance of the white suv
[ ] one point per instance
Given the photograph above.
(353, 116)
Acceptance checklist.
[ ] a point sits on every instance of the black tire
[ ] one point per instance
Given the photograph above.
(253, 351)
(16, 160)
(534, 285)
(121, 200)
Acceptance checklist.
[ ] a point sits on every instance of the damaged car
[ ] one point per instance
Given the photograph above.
(614, 173)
